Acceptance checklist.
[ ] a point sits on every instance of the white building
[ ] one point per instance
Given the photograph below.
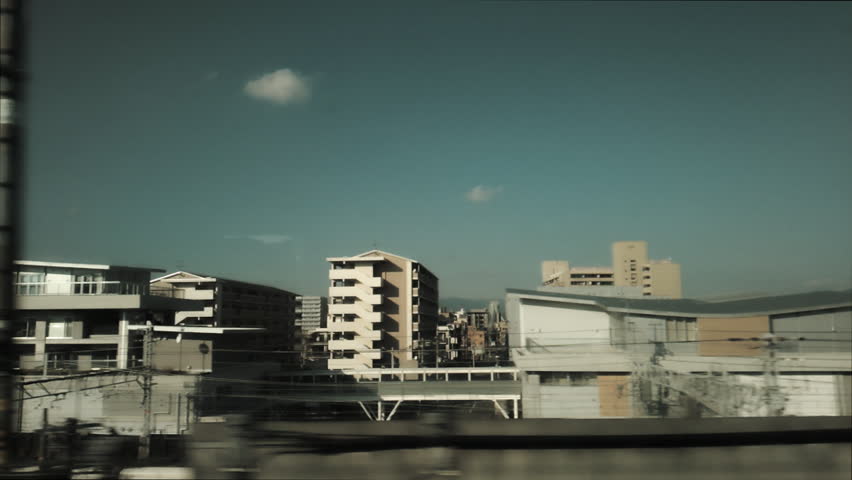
(588, 357)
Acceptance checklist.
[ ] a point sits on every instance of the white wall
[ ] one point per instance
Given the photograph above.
(560, 325)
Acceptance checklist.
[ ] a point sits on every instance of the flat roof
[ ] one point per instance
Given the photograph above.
(773, 304)
(370, 258)
(88, 266)
(197, 329)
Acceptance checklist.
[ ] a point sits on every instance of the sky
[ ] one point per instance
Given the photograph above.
(254, 139)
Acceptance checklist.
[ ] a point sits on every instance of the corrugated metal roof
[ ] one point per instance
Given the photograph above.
(751, 306)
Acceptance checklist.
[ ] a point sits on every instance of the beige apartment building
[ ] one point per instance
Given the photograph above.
(631, 269)
(383, 311)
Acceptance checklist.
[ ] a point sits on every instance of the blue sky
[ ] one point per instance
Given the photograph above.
(253, 140)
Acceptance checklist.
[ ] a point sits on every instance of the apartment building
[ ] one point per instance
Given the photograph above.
(587, 356)
(383, 310)
(230, 303)
(75, 317)
(631, 269)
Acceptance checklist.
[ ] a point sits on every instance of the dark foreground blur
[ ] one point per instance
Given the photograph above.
(440, 446)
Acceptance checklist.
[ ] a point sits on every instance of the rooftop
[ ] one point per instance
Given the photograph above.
(86, 266)
(773, 304)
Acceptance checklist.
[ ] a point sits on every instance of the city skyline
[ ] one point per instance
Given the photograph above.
(479, 139)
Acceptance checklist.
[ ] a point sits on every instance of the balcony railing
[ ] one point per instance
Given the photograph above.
(95, 288)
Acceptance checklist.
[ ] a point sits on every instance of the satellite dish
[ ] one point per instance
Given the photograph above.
(204, 349)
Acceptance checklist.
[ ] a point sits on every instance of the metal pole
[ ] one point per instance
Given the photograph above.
(145, 439)
(12, 25)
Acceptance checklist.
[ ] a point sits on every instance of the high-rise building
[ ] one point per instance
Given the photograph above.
(631, 271)
(383, 310)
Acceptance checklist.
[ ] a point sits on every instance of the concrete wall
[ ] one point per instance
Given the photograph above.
(713, 333)
(554, 325)
(808, 395)
(112, 400)
(615, 395)
(625, 255)
(664, 279)
(396, 305)
(829, 330)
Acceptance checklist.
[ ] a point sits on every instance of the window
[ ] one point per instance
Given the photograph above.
(59, 329)
(680, 330)
(104, 360)
(29, 283)
(25, 327)
(85, 284)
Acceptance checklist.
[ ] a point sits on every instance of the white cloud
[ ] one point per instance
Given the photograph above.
(281, 86)
(266, 238)
(482, 193)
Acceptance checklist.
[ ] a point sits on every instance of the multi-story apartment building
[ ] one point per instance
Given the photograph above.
(585, 356)
(383, 310)
(232, 303)
(90, 322)
(311, 313)
(631, 269)
(76, 317)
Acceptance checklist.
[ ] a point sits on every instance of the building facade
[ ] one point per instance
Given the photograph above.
(631, 269)
(76, 317)
(230, 303)
(383, 310)
(311, 313)
(589, 357)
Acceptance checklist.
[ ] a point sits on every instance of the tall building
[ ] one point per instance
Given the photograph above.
(383, 310)
(631, 271)
(628, 260)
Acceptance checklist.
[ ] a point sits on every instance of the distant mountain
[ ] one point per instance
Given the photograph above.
(455, 303)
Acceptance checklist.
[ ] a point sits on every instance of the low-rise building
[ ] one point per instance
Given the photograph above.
(74, 317)
(587, 357)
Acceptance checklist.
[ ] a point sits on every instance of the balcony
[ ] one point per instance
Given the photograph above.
(355, 292)
(354, 309)
(102, 288)
(352, 274)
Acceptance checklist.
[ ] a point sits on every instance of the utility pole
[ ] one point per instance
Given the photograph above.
(659, 403)
(148, 350)
(772, 396)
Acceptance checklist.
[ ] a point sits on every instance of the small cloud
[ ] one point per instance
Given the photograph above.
(281, 86)
(210, 76)
(266, 239)
(482, 193)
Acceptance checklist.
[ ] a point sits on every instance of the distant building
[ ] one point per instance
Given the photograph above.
(311, 313)
(585, 356)
(631, 269)
(383, 310)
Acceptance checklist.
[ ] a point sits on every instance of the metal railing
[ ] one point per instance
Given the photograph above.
(95, 288)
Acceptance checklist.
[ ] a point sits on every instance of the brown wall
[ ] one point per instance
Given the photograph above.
(396, 320)
(614, 393)
(710, 329)
(169, 355)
